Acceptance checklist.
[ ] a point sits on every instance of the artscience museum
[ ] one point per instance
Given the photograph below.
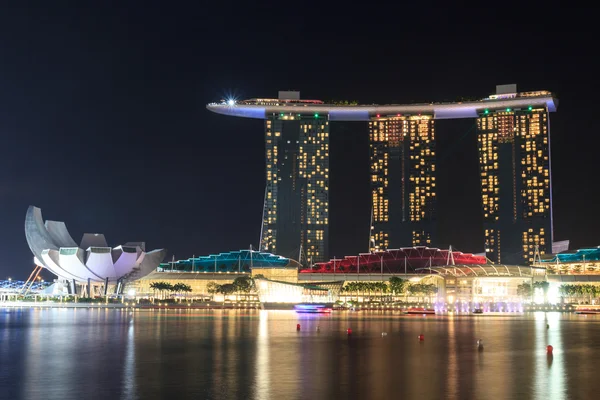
(92, 263)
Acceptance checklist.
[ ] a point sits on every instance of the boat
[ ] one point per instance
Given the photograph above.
(478, 311)
(587, 309)
(313, 308)
(420, 311)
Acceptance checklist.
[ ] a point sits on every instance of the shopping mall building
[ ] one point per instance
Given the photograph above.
(457, 276)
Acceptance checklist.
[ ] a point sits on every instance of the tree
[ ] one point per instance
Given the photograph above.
(524, 291)
(415, 289)
(397, 285)
(226, 289)
(243, 284)
(349, 288)
(181, 288)
(162, 287)
(407, 290)
(154, 286)
(430, 290)
(212, 287)
(168, 287)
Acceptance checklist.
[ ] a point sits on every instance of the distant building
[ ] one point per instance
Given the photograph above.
(575, 262)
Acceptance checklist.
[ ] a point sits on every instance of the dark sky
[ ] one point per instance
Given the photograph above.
(104, 126)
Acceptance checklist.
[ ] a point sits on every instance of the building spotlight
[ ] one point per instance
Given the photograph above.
(231, 102)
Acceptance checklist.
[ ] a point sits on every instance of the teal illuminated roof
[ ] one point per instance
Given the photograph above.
(580, 255)
(233, 261)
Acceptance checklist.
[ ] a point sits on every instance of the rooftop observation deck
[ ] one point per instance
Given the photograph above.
(263, 108)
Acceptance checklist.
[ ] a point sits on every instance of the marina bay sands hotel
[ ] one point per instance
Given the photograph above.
(513, 140)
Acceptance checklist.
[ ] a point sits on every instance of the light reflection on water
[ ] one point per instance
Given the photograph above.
(95, 353)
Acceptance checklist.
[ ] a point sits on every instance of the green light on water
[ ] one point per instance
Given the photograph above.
(530, 108)
(508, 109)
(281, 115)
(486, 111)
(316, 115)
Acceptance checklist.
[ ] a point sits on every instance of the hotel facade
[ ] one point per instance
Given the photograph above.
(514, 162)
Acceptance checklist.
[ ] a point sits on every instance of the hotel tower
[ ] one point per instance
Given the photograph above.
(514, 162)
(296, 209)
(402, 156)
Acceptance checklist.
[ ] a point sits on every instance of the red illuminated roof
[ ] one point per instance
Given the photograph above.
(407, 259)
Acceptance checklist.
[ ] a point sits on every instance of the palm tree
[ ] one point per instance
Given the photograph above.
(182, 287)
(158, 286)
(351, 289)
(579, 290)
(562, 290)
(177, 288)
(154, 287)
(383, 288)
(363, 289)
(588, 290)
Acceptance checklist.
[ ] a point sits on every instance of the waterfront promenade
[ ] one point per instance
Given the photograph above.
(465, 308)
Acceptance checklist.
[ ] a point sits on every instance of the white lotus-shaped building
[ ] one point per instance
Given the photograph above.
(91, 261)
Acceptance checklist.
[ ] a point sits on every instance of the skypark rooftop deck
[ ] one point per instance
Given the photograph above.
(263, 108)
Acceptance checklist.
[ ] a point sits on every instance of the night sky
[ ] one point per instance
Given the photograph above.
(104, 126)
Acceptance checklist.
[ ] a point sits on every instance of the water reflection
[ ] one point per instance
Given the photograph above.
(129, 383)
(453, 366)
(549, 371)
(66, 354)
(262, 369)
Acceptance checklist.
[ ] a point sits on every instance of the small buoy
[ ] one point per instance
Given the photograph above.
(383, 333)
(349, 331)
(549, 349)
(479, 342)
(421, 337)
(297, 327)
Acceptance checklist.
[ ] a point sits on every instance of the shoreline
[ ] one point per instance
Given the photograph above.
(257, 306)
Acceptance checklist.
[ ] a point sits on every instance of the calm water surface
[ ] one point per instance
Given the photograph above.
(97, 354)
